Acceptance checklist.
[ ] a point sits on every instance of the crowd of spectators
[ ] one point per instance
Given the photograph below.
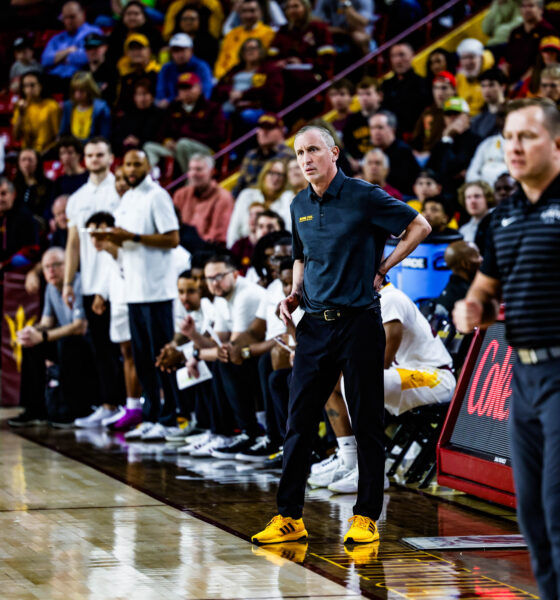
(150, 282)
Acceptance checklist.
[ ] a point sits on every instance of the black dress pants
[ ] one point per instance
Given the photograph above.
(354, 345)
(73, 386)
(151, 327)
(265, 372)
(236, 392)
(535, 449)
(107, 355)
(279, 386)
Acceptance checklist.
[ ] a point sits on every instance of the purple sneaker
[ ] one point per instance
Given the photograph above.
(131, 418)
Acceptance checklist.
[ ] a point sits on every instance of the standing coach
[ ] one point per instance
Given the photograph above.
(339, 228)
(522, 265)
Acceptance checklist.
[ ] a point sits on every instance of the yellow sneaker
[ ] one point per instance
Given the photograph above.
(362, 531)
(277, 553)
(281, 529)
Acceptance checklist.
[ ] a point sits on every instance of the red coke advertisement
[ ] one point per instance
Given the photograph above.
(473, 451)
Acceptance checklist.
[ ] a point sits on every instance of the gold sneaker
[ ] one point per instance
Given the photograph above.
(362, 531)
(281, 529)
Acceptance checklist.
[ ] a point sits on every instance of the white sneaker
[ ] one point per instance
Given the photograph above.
(325, 465)
(215, 441)
(181, 432)
(193, 442)
(138, 431)
(347, 484)
(95, 419)
(119, 414)
(194, 438)
(156, 433)
(327, 477)
(175, 434)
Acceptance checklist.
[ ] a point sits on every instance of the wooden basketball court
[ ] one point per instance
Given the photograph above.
(84, 514)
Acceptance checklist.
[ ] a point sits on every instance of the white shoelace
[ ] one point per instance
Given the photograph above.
(262, 442)
(327, 463)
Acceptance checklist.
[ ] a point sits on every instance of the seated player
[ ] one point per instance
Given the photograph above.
(259, 341)
(417, 373)
(194, 301)
(235, 387)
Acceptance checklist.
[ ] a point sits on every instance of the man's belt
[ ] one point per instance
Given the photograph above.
(334, 314)
(533, 356)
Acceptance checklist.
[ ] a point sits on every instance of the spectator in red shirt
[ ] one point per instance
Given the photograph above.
(304, 49)
(252, 87)
(203, 203)
(242, 250)
(191, 125)
(523, 45)
(375, 169)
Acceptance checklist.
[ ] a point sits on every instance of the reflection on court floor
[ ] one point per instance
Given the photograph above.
(145, 523)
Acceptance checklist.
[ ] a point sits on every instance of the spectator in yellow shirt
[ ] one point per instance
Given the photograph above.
(251, 26)
(473, 60)
(85, 115)
(36, 119)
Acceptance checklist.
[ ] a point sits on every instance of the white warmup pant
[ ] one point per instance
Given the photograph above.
(407, 387)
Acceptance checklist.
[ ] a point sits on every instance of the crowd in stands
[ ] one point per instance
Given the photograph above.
(145, 292)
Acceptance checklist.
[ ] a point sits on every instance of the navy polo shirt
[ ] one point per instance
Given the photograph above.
(340, 237)
(523, 253)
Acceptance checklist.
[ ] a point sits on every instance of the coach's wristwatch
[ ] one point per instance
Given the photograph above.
(136, 238)
(246, 352)
(196, 354)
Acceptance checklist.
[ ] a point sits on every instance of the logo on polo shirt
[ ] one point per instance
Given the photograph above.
(304, 219)
(508, 221)
(551, 215)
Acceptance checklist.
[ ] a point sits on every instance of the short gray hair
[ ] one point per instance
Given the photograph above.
(54, 250)
(391, 117)
(552, 71)
(385, 158)
(322, 131)
(210, 162)
(7, 182)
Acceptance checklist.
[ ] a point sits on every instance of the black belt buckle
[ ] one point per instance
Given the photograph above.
(331, 314)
